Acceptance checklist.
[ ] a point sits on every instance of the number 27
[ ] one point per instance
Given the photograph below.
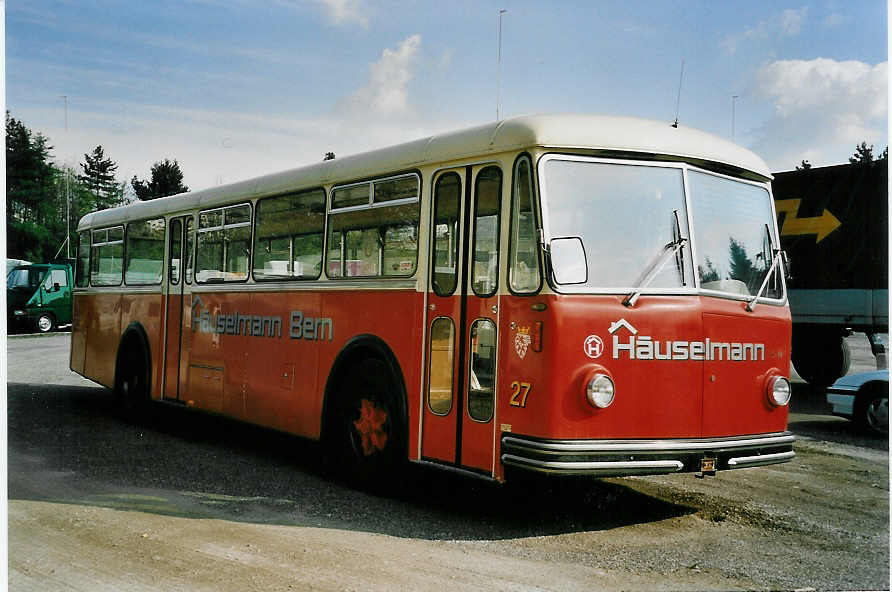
(519, 393)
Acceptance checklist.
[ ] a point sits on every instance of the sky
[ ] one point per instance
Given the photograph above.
(234, 89)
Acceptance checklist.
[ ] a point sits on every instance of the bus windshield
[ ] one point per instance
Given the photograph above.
(633, 223)
(22, 278)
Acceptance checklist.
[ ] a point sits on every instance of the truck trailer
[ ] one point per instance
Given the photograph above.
(834, 227)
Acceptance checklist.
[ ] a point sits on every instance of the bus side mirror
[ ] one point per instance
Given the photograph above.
(568, 262)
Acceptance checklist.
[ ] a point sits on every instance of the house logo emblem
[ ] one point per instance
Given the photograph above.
(593, 346)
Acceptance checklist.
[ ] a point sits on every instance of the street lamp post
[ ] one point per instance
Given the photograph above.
(67, 193)
(499, 68)
(733, 114)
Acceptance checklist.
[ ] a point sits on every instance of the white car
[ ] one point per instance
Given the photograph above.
(863, 398)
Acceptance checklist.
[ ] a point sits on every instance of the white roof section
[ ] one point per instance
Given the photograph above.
(589, 132)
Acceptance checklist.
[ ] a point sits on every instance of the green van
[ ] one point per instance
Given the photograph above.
(38, 297)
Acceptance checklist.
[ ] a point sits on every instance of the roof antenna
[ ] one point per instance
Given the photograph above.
(678, 99)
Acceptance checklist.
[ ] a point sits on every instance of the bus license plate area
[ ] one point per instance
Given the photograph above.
(707, 465)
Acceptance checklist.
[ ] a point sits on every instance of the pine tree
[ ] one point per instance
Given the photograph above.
(740, 266)
(99, 178)
(35, 218)
(166, 178)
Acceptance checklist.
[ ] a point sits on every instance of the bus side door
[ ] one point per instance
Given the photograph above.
(175, 282)
(459, 398)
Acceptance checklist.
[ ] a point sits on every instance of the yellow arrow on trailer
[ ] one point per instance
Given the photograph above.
(820, 225)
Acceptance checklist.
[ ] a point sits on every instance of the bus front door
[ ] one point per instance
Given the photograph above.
(459, 406)
(175, 282)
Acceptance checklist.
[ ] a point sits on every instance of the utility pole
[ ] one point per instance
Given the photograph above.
(499, 68)
(67, 193)
(733, 114)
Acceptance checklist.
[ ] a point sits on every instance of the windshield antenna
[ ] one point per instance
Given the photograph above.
(678, 99)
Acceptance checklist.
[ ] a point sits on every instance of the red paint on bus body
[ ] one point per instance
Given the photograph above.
(278, 381)
(654, 398)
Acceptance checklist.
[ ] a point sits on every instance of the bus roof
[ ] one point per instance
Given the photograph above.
(612, 135)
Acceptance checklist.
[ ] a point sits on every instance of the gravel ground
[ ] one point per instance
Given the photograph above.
(182, 501)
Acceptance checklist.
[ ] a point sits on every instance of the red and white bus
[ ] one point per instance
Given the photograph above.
(565, 294)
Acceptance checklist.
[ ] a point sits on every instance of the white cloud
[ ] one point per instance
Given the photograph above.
(387, 90)
(787, 24)
(344, 12)
(822, 109)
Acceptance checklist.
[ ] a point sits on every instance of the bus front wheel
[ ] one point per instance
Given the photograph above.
(366, 430)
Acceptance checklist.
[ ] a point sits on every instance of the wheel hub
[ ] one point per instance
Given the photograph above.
(371, 427)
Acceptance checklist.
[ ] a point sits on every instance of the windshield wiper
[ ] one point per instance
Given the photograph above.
(751, 305)
(668, 250)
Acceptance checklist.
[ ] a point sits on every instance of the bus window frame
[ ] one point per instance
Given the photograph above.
(123, 243)
(537, 224)
(163, 255)
(189, 268)
(198, 230)
(181, 277)
(331, 209)
(684, 167)
(323, 257)
(456, 251)
(89, 233)
(472, 255)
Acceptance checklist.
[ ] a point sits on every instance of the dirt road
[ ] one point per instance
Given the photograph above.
(182, 501)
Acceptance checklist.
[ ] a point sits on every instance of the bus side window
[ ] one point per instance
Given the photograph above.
(145, 252)
(444, 270)
(174, 261)
(373, 228)
(439, 394)
(107, 256)
(487, 206)
(189, 257)
(224, 244)
(482, 370)
(82, 277)
(288, 240)
(523, 271)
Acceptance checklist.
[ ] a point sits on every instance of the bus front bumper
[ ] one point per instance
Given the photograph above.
(618, 458)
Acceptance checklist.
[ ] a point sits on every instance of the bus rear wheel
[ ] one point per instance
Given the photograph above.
(131, 378)
(366, 431)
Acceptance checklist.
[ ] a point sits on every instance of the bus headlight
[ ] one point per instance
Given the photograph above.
(779, 391)
(599, 391)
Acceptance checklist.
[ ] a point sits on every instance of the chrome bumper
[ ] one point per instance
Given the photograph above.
(614, 458)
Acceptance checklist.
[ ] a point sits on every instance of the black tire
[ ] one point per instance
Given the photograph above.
(131, 378)
(820, 356)
(45, 323)
(872, 410)
(365, 435)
